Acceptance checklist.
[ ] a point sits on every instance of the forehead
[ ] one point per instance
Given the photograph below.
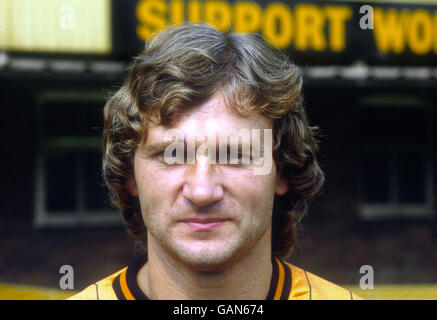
(213, 117)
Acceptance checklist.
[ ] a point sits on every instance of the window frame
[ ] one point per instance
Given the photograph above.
(82, 216)
(394, 209)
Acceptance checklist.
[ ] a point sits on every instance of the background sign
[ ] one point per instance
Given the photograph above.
(313, 32)
(377, 33)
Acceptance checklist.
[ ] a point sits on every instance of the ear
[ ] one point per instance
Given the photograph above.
(132, 186)
(281, 186)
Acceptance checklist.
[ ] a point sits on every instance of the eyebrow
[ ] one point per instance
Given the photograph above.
(151, 149)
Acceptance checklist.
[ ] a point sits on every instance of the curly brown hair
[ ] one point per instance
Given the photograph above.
(186, 65)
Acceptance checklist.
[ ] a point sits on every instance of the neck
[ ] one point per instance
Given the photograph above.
(164, 277)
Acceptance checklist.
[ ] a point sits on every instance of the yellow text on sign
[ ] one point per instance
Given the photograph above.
(306, 26)
(396, 31)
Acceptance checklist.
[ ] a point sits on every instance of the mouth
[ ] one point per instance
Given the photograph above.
(207, 224)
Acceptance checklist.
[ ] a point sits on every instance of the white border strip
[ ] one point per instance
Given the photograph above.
(352, 72)
(364, 72)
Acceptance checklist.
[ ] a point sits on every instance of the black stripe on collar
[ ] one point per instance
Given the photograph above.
(117, 289)
(131, 278)
(273, 281)
(286, 288)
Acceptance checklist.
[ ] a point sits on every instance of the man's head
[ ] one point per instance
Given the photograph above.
(186, 79)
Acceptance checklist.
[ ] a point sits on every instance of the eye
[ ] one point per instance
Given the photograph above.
(238, 158)
(232, 156)
(159, 156)
(178, 154)
(235, 158)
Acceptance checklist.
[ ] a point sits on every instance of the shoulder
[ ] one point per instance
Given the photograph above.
(307, 286)
(101, 290)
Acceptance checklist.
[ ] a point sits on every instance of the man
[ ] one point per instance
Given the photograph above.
(215, 201)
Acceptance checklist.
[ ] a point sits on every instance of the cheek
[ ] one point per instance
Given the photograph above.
(149, 179)
(256, 191)
(157, 189)
(149, 187)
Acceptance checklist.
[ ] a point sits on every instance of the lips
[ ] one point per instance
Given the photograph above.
(207, 224)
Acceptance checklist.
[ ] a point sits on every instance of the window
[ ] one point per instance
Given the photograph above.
(396, 166)
(396, 183)
(69, 188)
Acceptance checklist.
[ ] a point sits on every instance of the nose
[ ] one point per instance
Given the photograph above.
(202, 185)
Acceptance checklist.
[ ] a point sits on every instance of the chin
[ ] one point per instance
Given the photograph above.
(205, 257)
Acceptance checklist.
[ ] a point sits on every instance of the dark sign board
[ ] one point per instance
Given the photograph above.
(313, 32)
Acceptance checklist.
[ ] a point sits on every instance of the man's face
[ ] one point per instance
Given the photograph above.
(203, 214)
